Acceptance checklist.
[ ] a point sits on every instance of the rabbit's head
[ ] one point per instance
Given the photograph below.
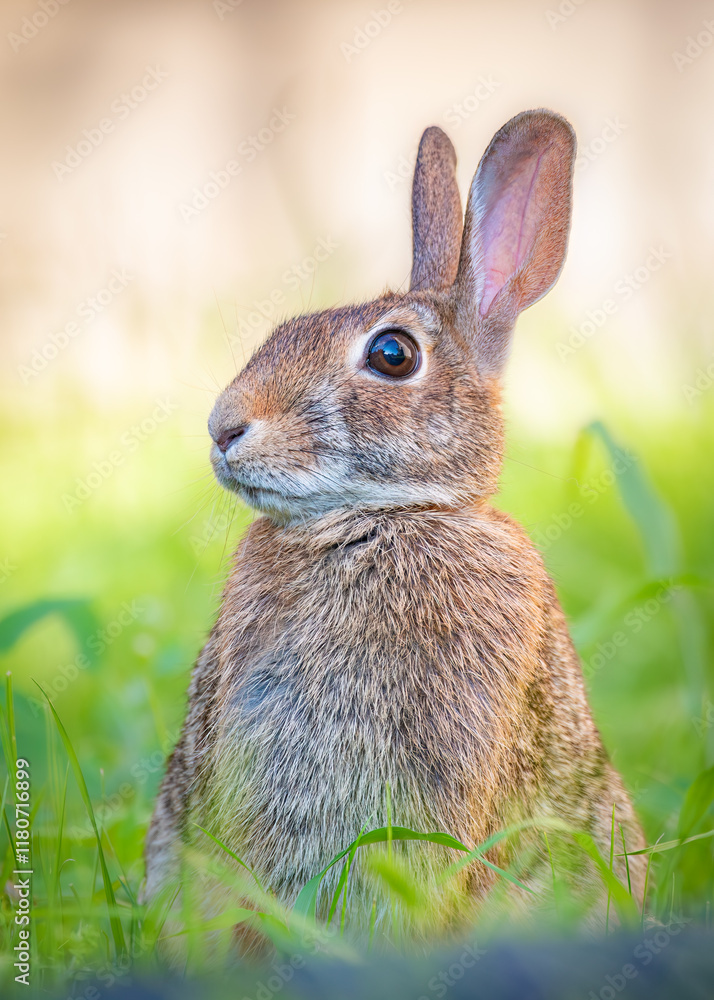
(396, 403)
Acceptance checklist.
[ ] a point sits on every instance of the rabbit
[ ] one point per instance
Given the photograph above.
(384, 630)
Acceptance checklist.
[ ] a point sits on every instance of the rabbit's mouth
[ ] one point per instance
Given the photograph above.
(267, 498)
(294, 493)
(250, 491)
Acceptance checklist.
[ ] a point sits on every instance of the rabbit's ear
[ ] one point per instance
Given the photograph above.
(437, 218)
(516, 229)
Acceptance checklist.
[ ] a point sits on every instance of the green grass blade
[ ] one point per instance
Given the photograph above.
(231, 854)
(616, 891)
(670, 845)
(653, 518)
(338, 891)
(696, 803)
(592, 625)
(123, 879)
(60, 833)
(343, 914)
(612, 851)
(372, 925)
(389, 821)
(5, 790)
(278, 932)
(644, 892)
(548, 823)
(306, 902)
(382, 834)
(10, 707)
(348, 866)
(114, 921)
(10, 837)
(445, 840)
(584, 841)
(693, 640)
(397, 880)
(627, 860)
(76, 613)
(6, 743)
(552, 871)
(223, 921)
(579, 460)
(155, 916)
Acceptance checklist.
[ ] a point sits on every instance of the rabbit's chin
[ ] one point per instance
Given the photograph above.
(286, 507)
(275, 500)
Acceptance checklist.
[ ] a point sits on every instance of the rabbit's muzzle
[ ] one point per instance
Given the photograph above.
(274, 461)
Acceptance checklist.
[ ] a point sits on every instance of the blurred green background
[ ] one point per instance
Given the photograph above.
(114, 540)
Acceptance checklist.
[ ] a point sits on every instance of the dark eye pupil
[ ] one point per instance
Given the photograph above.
(393, 353)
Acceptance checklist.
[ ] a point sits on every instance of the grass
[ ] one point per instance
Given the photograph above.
(108, 604)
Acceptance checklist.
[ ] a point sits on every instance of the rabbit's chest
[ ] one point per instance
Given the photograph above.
(377, 648)
(317, 733)
(351, 706)
(367, 671)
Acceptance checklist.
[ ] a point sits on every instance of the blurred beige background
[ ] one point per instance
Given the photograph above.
(178, 175)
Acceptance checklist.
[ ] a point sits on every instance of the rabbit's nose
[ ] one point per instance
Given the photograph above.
(226, 438)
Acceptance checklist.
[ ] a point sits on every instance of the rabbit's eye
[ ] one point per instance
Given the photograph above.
(393, 353)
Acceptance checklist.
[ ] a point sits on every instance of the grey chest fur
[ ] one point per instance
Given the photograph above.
(333, 690)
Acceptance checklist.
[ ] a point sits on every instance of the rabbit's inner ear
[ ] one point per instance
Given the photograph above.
(437, 218)
(516, 231)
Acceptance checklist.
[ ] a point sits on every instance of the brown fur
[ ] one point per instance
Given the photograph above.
(383, 625)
